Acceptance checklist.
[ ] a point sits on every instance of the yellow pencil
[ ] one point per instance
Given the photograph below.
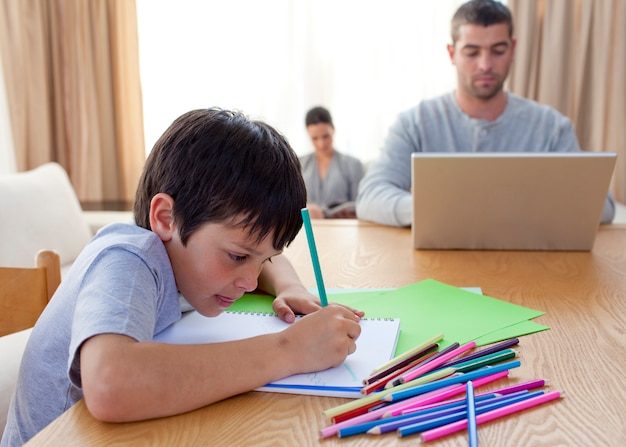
(436, 375)
(407, 354)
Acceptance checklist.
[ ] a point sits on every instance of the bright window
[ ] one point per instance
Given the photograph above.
(364, 60)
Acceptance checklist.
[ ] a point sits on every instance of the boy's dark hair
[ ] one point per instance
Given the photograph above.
(318, 115)
(480, 12)
(221, 167)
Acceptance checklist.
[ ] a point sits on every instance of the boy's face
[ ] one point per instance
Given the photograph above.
(218, 265)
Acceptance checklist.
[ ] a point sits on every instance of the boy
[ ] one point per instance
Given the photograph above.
(218, 200)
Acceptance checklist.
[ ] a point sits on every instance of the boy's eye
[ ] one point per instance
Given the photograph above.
(237, 258)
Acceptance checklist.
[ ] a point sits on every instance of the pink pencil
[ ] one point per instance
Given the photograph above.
(461, 399)
(435, 396)
(453, 391)
(426, 398)
(421, 400)
(454, 427)
(502, 391)
(410, 375)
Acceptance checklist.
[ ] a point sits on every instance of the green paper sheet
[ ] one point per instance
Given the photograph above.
(427, 308)
(515, 330)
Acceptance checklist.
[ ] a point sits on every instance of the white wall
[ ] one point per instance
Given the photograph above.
(274, 59)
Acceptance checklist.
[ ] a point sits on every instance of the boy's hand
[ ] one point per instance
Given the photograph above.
(300, 301)
(322, 339)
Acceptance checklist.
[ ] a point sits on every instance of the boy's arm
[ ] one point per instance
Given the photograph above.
(279, 278)
(126, 380)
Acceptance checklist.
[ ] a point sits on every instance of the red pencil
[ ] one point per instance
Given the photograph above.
(401, 364)
(382, 382)
(355, 412)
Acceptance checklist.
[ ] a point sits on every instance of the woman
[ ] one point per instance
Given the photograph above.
(331, 178)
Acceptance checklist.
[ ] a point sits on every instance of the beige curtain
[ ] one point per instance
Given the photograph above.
(571, 54)
(72, 75)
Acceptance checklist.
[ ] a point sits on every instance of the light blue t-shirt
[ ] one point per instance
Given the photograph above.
(122, 283)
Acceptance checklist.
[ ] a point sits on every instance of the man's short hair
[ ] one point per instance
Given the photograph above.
(480, 12)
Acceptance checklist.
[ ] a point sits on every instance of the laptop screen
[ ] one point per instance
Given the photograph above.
(509, 201)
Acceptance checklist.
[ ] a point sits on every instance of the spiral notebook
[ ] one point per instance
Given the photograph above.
(375, 346)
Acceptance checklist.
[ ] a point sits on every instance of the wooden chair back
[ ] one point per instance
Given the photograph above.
(25, 292)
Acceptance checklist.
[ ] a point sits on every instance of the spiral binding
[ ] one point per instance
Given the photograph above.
(272, 314)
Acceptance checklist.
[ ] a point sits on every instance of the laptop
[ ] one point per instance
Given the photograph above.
(509, 201)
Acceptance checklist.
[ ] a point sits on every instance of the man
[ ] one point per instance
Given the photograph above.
(478, 116)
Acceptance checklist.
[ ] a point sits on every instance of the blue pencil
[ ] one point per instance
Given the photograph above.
(444, 420)
(364, 427)
(431, 413)
(386, 425)
(472, 431)
(316, 263)
(452, 380)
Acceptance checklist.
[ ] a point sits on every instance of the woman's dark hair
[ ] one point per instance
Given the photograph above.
(318, 115)
(219, 166)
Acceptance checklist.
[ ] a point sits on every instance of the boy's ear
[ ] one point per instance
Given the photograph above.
(161, 216)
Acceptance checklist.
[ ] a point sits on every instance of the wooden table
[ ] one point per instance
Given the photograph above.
(583, 355)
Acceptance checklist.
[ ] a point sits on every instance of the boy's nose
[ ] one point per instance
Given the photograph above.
(249, 282)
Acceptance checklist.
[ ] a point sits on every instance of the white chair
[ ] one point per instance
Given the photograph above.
(40, 209)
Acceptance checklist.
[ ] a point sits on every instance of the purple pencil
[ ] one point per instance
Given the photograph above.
(538, 383)
(526, 386)
(437, 355)
(489, 350)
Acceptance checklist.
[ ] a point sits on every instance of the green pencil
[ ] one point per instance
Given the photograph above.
(316, 263)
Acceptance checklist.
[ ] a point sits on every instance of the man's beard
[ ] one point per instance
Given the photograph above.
(486, 93)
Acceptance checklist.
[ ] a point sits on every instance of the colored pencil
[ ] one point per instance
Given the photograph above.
(461, 378)
(440, 410)
(486, 360)
(407, 354)
(378, 396)
(306, 218)
(357, 411)
(526, 386)
(407, 377)
(453, 391)
(376, 414)
(391, 369)
(436, 356)
(423, 398)
(430, 435)
(537, 383)
(472, 432)
(489, 350)
(391, 424)
(461, 416)
(380, 384)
